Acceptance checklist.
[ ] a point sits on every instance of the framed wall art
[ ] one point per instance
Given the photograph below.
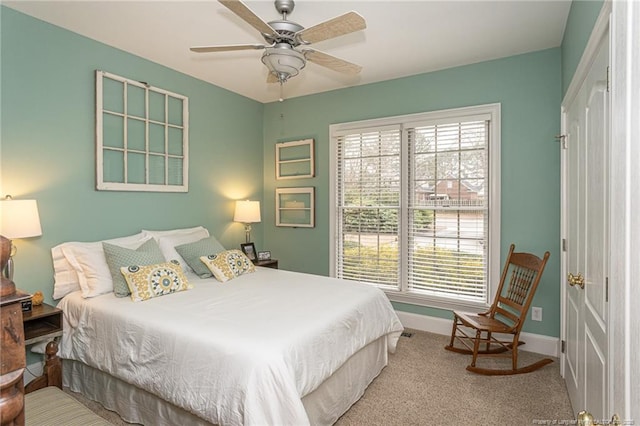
(295, 159)
(142, 136)
(295, 207)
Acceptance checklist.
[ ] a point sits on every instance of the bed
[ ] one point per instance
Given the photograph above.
(270, 347)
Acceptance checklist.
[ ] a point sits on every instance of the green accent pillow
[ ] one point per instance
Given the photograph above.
(191, 253)
(147, 254)
(150, 281)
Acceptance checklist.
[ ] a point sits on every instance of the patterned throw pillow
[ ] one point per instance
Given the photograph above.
(146, 282)
(228, 264)
(191, 253)
(147, 254)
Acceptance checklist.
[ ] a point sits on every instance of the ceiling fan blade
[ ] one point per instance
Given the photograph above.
(247, 15)
(332, 62)
(227, 48)
(272, 78)
(340, 25)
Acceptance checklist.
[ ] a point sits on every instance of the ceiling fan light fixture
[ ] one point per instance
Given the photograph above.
(283, 38)
(283, 61)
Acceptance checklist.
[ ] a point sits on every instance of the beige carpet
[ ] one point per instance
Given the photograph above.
(427, 385)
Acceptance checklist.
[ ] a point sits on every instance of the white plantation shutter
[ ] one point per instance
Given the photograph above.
(368, 205)
(416, 205)
(447, 210)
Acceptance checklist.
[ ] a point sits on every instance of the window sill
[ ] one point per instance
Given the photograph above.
(431, 302)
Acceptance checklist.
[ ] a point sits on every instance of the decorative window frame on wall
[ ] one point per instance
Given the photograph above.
(295, 159)
(142, 136)
(295, 207)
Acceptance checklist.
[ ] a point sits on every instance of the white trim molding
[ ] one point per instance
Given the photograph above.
(624, 343)
(407, 289)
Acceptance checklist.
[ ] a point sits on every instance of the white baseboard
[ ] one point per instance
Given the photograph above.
(538, 343)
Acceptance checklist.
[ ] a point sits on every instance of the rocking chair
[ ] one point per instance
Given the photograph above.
(505, 317)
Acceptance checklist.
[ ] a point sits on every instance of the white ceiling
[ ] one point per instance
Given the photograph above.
(402, 38)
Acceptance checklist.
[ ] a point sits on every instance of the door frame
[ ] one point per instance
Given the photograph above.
(625, 225)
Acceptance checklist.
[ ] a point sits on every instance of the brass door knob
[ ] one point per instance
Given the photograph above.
(586, 419)
(576, 280)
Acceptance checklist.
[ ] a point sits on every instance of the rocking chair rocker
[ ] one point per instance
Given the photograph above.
(505, 317)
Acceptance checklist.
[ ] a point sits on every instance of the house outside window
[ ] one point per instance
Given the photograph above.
(415, 205)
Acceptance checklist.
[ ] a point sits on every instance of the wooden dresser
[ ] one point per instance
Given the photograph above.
(13, 359)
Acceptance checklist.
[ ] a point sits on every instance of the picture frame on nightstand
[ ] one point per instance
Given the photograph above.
(250, 250)
(264, 255)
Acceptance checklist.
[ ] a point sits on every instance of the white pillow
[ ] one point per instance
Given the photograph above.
(167, 245)
(159, 234)
(90, 264)
(65, 278)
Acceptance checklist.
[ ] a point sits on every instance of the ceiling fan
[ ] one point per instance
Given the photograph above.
(287, 51)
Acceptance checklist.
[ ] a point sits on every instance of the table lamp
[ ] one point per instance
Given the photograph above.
(19, 219)
(247, 212)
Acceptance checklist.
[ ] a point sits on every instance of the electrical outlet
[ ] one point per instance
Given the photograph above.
(536, 313)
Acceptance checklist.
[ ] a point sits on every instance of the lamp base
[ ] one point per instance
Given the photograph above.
(7, 287)
(247, 232)
(7, 271)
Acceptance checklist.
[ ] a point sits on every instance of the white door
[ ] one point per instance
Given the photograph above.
(586, 207)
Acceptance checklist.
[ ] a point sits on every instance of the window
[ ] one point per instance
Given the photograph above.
(416, 205)
(142, 136)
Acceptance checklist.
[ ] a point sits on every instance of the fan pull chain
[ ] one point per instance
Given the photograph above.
(281, 99)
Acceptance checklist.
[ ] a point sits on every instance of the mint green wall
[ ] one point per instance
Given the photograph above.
(48, 146)
(582, 17)
(529, 90)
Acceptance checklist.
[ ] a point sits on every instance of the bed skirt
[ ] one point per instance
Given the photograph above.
(323, 406)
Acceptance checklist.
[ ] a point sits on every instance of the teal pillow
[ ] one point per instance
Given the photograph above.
(117, 257)
(191, 253)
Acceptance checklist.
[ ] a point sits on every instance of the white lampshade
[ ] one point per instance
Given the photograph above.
(20, 219)
(247, 211)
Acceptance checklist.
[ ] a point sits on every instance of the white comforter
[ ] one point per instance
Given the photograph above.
(242, 352)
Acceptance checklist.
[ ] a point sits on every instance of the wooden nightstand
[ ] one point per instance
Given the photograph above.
(271, 263)
(42, 323)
